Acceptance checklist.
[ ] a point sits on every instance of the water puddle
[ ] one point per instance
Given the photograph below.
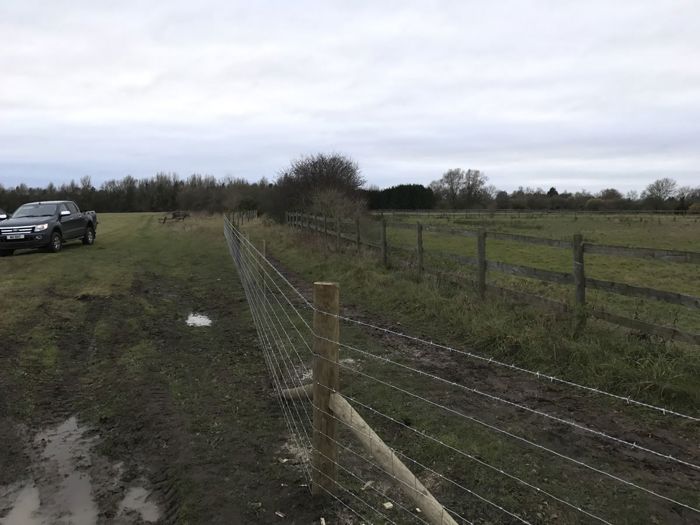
(136, 501)
(26, 506)
(195, 319)
(65, 477)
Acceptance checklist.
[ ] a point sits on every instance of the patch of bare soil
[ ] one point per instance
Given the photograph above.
(64, 480)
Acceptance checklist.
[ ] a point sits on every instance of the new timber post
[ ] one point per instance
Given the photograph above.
(325, 383)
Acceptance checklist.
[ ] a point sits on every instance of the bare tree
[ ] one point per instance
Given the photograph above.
(297, 184)
(459, 187)
(660, 190)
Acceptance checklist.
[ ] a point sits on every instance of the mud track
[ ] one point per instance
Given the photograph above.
(139, 418)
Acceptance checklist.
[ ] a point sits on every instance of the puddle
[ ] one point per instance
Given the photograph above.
(195, 319)
(296, 455)
(25, 508)
(65, 476)
(136, 500)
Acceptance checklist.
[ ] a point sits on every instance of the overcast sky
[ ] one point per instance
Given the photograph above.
(574, 94)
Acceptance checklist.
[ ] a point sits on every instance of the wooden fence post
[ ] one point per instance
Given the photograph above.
(385, 255)
(325, 383)
(419, 246)
(357, 232)
(337, 234)
(580, 282)
(481, 262)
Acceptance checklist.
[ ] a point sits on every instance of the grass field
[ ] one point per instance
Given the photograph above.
(99, 332)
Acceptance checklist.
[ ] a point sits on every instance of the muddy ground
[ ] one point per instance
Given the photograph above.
(114, 410)
(110, 440)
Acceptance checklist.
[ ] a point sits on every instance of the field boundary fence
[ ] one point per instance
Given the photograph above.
(392, 437)
(576, 278)
(526, 212)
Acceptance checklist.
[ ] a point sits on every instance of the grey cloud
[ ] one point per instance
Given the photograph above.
(533, 93)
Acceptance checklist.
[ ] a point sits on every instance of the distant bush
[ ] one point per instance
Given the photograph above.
(694, 209)
(594, 204)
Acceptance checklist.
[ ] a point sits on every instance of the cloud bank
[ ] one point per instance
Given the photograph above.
(536, 93)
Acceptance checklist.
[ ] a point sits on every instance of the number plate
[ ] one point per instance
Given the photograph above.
(13, 237)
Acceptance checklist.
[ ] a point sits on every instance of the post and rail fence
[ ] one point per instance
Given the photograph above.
(577, 277)
(354, 422)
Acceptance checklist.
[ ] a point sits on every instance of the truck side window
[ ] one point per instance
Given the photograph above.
(72, 207)
(63, 207)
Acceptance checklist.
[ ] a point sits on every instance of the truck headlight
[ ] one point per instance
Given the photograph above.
(41, 227)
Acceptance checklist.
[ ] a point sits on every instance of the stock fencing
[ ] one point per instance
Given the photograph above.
(399, 429)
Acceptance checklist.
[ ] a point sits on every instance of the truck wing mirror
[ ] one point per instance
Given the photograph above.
(3, 216)
(65, 213)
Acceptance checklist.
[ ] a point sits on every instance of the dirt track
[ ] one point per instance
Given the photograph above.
(170, 428)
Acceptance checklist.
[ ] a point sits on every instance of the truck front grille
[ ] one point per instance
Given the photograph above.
(16, 229)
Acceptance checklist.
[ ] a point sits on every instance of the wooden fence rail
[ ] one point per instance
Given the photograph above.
(577, 276)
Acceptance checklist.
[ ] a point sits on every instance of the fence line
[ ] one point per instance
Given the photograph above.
(473, 355)
(577, 277)
(289, 341)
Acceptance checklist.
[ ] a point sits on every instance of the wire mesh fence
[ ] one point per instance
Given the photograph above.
(490, 441)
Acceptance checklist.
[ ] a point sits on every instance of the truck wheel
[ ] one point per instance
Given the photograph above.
(89, 237)
(56, 242)
(6, 253)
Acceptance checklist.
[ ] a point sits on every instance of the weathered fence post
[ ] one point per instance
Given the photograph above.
(337, 234)
(481, 262)
(325, 383)
(580, 283)
(357, 233)
(385, 255)
(419, 246)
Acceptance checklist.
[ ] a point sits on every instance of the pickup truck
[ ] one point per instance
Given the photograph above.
(46, 225)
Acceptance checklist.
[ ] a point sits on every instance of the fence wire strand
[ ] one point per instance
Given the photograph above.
(286, 338)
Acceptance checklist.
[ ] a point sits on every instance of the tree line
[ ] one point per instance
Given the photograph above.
(332, 184)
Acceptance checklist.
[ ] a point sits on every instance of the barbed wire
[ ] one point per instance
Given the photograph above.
(499, 399)
(490, 360)
(262, 310)
(281, 335)
(254, 298)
